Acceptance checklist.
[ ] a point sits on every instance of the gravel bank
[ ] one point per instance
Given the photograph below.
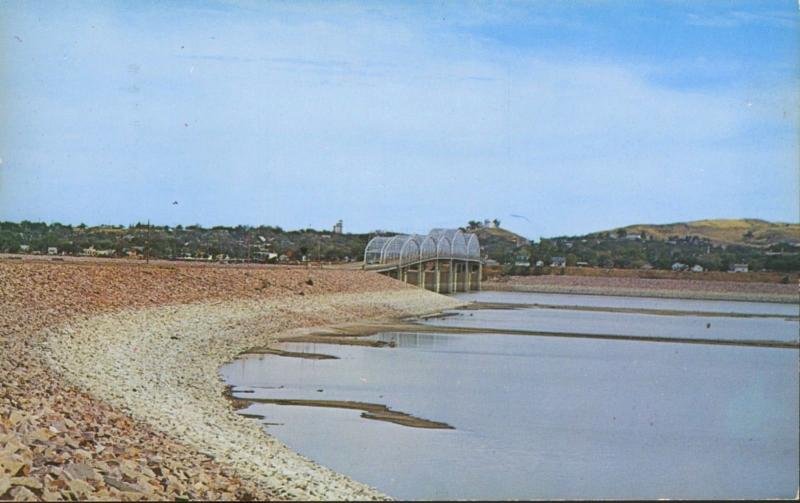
(160, 365)
(58, 442)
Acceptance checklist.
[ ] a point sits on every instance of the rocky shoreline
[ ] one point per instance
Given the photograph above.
(160, 366)
(110, 387)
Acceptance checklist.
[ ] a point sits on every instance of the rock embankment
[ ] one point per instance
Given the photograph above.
(110, 389)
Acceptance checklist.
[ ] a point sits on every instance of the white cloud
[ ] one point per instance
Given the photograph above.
(294, 120)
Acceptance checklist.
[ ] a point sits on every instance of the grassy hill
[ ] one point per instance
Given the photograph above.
(499, 244)
(748, 232)
(714, 245)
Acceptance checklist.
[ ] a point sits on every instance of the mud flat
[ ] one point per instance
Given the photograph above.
(375, 411)
(160, 366)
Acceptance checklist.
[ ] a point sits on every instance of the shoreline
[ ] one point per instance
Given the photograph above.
(108, 376)
(161, 366)
(625, 310)
(615, 291)
(366, 329)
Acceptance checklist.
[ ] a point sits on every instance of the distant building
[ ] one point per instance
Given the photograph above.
(677, 266)
(697, 268)
(740, 268)
(582, 264)
(52, 250)
(522, 261)
(24, 248)
(262, 253)
(539, 263)
(337, 228)
(558, 262)
(633, 237)
(491, 262)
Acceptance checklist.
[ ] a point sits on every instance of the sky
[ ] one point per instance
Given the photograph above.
(555, 117)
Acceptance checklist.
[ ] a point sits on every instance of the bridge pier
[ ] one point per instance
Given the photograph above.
(440, 275)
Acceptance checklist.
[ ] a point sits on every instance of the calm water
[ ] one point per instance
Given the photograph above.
(692, 327)
(720, 306)
(539, 417)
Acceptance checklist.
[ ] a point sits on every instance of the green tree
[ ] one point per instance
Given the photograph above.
(572, 259)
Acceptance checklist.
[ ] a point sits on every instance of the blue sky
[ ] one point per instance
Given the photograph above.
(580, 116)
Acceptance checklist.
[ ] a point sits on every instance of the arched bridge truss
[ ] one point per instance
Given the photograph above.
(444, 260)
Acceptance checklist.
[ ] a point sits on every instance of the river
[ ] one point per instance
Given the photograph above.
(549, 417)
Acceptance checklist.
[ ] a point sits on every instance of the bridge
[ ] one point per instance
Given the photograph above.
(444, 260)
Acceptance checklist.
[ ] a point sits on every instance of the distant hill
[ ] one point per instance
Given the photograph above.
(498, 243)
(713, 245)
(748, 232)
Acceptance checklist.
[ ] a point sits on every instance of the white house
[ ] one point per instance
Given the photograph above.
(677, 266)
(740, 268)
(697, 268)
(52, 250)
(522, 261)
